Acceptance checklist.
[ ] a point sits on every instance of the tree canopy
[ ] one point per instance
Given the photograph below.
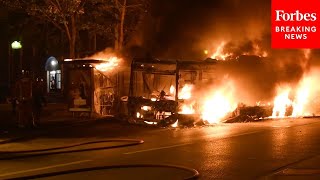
(116, 19)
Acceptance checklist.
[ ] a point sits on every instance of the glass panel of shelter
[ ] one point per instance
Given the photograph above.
(104, 93)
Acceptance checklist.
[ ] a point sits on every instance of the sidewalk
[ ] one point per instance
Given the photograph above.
(53, 116)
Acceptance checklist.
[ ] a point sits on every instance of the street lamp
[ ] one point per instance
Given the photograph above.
(54, 63)
(16, 45)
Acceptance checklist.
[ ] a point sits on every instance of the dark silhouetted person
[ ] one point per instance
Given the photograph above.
(14, 105)
(53, 83)
(162, 95)
(38, 100)
(82, 91)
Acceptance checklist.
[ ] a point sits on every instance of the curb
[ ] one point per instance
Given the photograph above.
(19, 138)
(48, 129)
(10, 140)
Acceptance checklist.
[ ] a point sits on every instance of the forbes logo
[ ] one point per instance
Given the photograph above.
(281, 15)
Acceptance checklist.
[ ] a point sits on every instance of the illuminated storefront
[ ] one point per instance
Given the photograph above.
(53, 74)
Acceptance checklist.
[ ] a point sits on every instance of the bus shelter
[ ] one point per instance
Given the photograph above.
(88, 89)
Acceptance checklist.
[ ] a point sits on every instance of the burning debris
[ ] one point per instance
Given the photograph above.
(230, 51)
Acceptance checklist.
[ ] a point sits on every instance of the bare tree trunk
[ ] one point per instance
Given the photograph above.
(123, 14)
(94, 41)
(116, 37)
(73, 36)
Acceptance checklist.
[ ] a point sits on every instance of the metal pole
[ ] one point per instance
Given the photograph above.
(9, 66)
(21, 65)
(177, 81)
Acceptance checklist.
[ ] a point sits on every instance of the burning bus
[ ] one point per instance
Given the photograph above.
(161, 91)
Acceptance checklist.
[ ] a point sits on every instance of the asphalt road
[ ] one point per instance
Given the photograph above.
(273, 149)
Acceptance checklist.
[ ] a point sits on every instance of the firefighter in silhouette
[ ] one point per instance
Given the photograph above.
(38, 100)
(162, 95)
(23, 92)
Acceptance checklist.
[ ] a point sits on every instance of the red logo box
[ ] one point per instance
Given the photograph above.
(295, 24)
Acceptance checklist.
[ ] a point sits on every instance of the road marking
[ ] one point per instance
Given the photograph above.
(43, 168)
(281, 126)
(235, 135)
(291, 171)
(153, 149)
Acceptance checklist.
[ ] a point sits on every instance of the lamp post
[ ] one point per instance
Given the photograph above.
(15, 45)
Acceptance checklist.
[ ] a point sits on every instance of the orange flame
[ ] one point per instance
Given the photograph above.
(185, 92)
(187, 108)
(300, 102)
(175, 124)
(213, 108)
(257, 51)
(281, 102)
(172, 90)
(217, 106)
(302, 97)
(219, 54)
(111, 60)
(110, 64)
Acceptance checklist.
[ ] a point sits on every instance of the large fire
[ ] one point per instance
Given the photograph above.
(281, 102)
(187, 108)
(301, 98)
(185, 94)
(214, 107)
(220, 52)
(218, 104)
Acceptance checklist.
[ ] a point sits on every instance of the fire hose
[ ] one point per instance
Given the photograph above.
(129, 142)
(195, 173)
